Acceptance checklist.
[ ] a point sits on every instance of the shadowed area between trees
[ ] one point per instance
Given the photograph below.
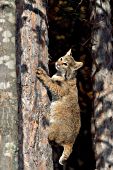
(69, 27)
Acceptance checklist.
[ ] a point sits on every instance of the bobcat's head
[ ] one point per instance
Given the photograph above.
(67, 66)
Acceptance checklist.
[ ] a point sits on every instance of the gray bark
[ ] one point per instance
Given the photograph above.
(102, 75)
(8, 91)
(32, 51)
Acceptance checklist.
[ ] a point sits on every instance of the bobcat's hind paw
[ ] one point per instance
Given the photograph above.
(62, 160)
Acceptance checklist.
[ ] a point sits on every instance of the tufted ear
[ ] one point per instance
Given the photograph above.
(78, 65)
(68, 53)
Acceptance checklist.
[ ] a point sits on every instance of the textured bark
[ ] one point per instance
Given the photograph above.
(8, 91)
(32, 40)
(102, 75)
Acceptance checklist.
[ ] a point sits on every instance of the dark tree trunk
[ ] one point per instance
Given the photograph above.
(8, 91)
(32, 51)
(102, 75)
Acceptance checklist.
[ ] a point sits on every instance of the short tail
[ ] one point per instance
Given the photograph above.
(66, 153)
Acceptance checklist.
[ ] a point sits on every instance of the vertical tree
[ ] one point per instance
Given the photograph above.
(8, 92)
(102, 76)
(32, 40)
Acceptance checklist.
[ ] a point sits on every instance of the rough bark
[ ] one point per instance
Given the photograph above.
(8, 91)
(32, 40)
(102, 75)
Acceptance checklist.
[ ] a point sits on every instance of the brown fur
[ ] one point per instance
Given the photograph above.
(64, 110)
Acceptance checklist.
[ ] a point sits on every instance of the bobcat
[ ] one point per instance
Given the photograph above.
(64, 115)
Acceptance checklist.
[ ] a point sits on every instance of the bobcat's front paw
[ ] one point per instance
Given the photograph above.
(40, 73)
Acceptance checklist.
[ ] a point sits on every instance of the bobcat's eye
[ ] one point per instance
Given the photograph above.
(61, 58)
(65, 64)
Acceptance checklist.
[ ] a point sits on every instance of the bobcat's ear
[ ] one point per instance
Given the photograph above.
(68, 53)
(78, 65)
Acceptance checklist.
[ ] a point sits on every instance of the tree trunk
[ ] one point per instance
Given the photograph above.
(8, 91)
(32, 40)
(102, 76)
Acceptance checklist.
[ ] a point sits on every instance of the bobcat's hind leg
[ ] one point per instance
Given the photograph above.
(66, 153)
